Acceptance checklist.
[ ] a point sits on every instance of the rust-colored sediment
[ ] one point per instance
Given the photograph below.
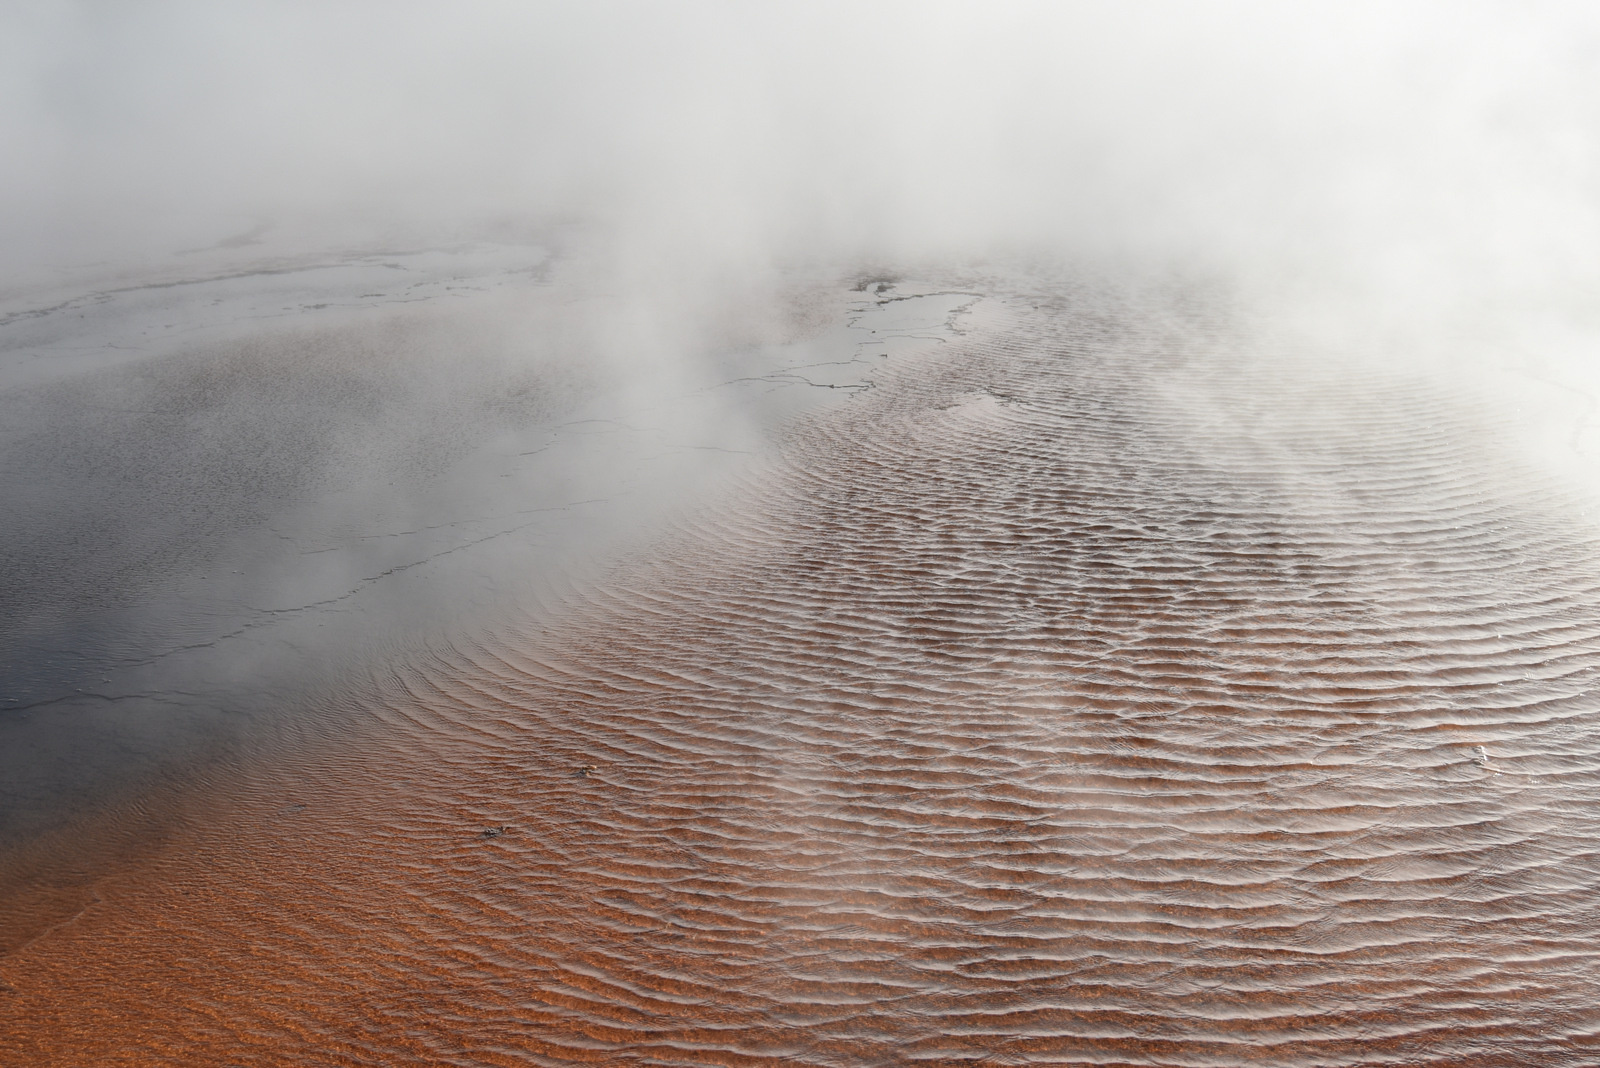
(1086, 697)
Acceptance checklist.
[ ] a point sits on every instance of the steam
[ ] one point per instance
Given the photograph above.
(1416, 180)
(1413, 148)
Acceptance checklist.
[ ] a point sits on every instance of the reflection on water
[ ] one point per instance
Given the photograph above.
(1087, 694)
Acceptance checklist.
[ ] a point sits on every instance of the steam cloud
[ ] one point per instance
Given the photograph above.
(1440, 151)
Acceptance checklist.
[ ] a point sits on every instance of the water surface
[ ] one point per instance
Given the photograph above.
(1095, 689)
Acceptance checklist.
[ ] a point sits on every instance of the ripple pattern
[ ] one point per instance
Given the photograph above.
(1089, 693)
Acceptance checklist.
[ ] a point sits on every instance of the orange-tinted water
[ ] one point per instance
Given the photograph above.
(1083, 695)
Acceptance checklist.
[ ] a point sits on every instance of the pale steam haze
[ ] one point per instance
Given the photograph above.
(1417, 151)
(1418, 181)
(819, 533)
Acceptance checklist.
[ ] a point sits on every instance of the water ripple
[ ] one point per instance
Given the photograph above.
(1083, 695)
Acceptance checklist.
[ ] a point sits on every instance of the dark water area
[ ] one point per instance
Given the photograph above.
(237, 489)
(1093, 690)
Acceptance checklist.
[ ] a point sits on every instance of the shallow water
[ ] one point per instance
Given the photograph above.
(1092, 691)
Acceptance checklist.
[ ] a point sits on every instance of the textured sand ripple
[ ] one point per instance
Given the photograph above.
(1083, 695)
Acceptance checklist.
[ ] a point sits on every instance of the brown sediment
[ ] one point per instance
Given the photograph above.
(1090, 695)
